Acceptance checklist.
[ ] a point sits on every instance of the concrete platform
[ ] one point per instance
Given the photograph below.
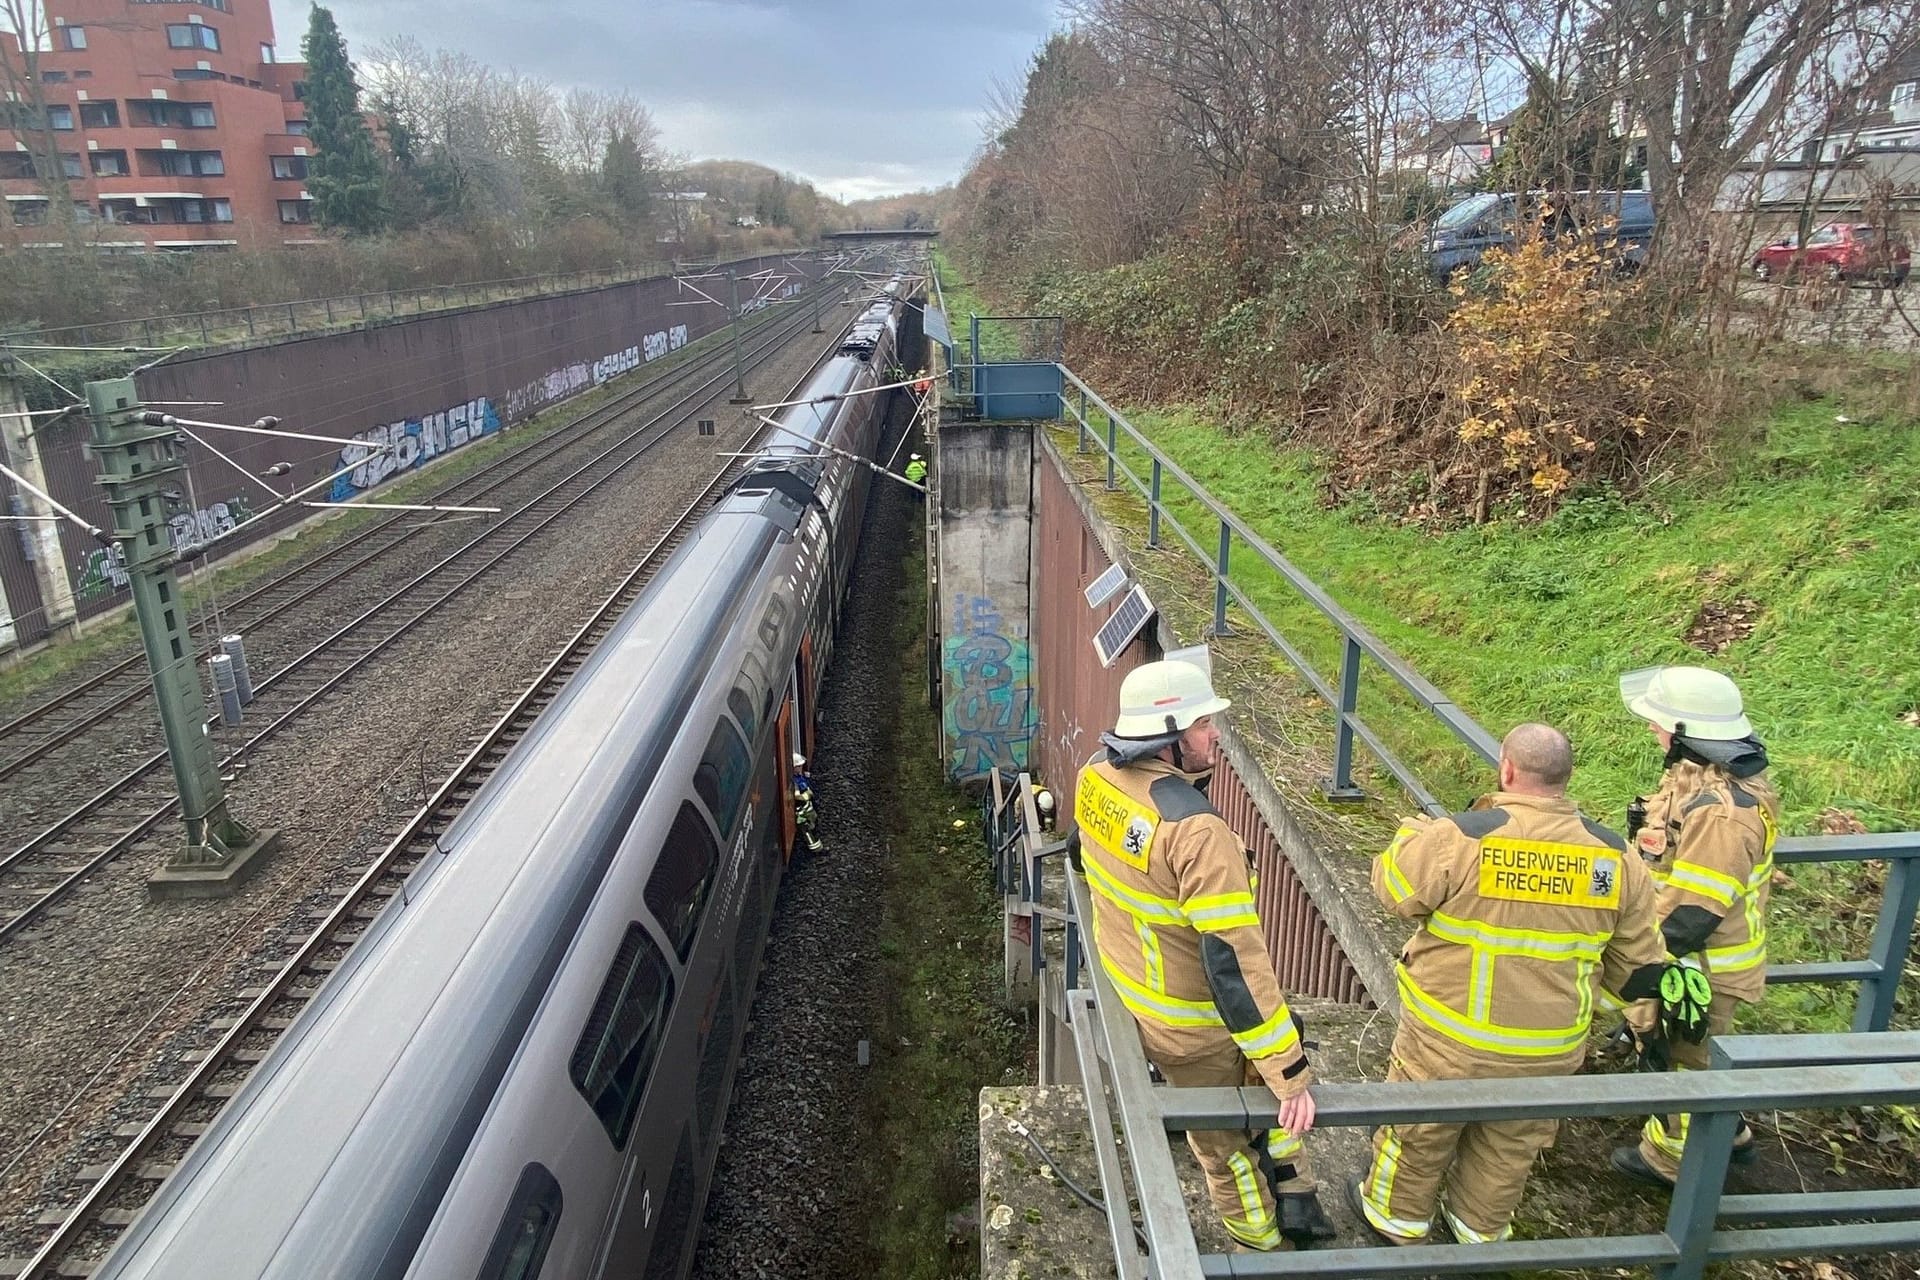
(215, 880)
(1031, 1226)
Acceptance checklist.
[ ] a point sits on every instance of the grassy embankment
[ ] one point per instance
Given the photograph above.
(942, 1033)
(1808, 533)
(118, 636)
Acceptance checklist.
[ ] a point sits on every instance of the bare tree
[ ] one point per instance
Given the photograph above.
(25, 110)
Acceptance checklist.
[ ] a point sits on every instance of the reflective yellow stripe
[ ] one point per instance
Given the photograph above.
(1670, 1144)
(1217, 912)
(1156, 1006)
(1467, 1235)
(1255, 1226)
(1535, 944)
(1397, 884)
(1709, 884)
(1282, 1145)
(1150, 957)
(1741, 956)
(1479, 1033)
(1378, 1194)
(1276, 1035)
(1141, 906)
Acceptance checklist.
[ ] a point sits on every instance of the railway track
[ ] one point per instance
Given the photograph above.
(62, 719)
(52, 864)
(255, 1018)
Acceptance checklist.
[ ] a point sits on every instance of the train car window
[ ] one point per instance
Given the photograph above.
(741, 703)
(622, 1036)
(722, 777)
(520, 1245)
(678, 887)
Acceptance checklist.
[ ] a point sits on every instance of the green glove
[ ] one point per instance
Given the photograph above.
(1685, 995)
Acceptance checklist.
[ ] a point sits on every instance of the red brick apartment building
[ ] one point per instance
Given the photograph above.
(178, 127)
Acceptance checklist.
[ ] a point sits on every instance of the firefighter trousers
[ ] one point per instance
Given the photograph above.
(1484, 1165)
(1664, 1137)
(1245, 1169)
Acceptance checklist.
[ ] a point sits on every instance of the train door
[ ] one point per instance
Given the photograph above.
(802, 697)
(785, 744)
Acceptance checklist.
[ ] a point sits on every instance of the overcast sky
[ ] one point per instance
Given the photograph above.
(862, 97)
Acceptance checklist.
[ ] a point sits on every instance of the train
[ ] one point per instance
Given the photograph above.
(522, 1069)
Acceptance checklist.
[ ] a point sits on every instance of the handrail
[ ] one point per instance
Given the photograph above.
(1755, 1072)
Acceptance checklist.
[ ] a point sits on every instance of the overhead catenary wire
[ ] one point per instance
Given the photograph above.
(93, 531)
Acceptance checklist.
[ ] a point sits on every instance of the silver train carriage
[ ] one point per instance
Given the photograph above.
(523, 1068)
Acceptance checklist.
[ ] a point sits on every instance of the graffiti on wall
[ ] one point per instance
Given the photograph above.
(410, 443)
(986, 673)
(102, 571)
(209, 522)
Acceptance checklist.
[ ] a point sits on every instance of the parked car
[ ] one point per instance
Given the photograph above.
(1839, 251)
(1622, 220)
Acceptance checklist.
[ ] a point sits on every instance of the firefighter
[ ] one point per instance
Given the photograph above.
(805, 817)
(1708, 836)
(1526, 909)
(916, 468)
(1175, 925)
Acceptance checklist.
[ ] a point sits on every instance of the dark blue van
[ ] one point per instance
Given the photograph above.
(1461, 235)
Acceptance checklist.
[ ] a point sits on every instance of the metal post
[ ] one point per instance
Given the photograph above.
(363, 306)
(1080, 445)
(1341, 787)
(205, 341)
(814, 289)
(140, 465)
(1113, 451)
(293, 323)
(1153, 509)
(1696, 1192)
(1873, 1008)
(1220, 627)
(250, 329)
(740, 395)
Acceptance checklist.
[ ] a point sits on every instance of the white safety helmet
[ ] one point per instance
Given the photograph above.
(1043, 802)
(1162, 698)
(913, 457)
(799, 761)
(1691, 701)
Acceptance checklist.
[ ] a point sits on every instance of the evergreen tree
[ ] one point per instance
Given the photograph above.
(344, 173)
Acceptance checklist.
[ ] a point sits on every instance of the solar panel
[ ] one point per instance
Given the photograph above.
(1197, 655)
(1101, 589)
(1118, 631)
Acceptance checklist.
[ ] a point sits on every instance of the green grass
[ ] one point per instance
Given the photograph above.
(998, 339)
(942, 1033)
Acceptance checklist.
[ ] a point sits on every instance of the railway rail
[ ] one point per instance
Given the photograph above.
(44, 728)
(52, 864)
(259, 1016)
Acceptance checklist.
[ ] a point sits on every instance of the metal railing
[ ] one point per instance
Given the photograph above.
(1214, 550)
(1753, 1073)
(318, 315)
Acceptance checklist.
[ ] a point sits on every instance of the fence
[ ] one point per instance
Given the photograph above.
(1752, 1072)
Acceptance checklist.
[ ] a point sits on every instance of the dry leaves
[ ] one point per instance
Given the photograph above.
(1719, 625)
(1841, 822)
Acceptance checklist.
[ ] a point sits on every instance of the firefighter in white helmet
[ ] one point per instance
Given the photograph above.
(916, 468)
(1175, 925)
(1708, 836)
(805, 817)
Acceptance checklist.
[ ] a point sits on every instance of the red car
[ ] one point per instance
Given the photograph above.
(1839, 251)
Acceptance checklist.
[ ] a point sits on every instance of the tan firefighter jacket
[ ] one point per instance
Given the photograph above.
(1527, 911)
(1174, 918)
(1708, 840)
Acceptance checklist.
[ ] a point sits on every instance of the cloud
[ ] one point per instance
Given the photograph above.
(860, 96)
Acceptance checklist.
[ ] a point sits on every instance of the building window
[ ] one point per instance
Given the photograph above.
(266, 53)
(70, 164)
(16, 164)
(299, 90)
(74, 37)
(182, 164)
(296, 212)
(161, 113)
(289, 166)
(100, 115)
(297, 128)
(192, 35)
(28, 213)
(109, 164)
(1905, 93)
(60, 117)
(53, 77)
